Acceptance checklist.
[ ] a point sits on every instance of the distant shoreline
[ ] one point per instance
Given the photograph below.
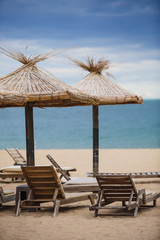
(110, 160)
(108, 149)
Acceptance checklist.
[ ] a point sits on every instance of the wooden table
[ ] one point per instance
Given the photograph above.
(22, 192)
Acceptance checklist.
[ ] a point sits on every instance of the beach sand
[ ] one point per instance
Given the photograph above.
(75, 221)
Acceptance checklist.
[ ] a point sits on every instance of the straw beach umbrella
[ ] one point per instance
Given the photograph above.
(108, 92)
(31, 86)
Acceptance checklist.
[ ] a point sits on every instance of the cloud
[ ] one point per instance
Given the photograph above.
(135, 67)
(151, 90)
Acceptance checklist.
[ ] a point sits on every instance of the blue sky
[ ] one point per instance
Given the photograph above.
(124, 31)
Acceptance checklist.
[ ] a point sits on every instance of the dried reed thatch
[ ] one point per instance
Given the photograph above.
(96, 84)
(30, 83)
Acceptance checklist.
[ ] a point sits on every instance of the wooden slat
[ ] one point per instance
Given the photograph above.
(34, 182)
(45, 180)
(120, 199)
(44, 191)
(108, 195)
(112, 185)
(16, 157)
(52, 188)
(104, 177)
(46, 196)
(32, 207)
(116, 187)
(46, 188)
(43, 194)
(40, 175)
(43, 184)
(31, 171)
(39, 169)
(114, 181)
(39, 200)
(108, 207)
(118, 191)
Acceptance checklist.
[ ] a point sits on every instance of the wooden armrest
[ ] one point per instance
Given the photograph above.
(142, 192)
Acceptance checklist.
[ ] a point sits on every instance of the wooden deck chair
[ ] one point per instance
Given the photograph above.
(121, 189)
(45, 186)
(6, 196)
(63, 173)
(16, 156)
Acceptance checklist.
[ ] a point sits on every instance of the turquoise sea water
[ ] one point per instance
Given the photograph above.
(120, 126)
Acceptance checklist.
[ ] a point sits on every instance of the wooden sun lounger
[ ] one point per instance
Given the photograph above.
(134, 175)
(64, 173)
(11, 175)
(45, 186)
(121, 189)
(16, 156)
(6, 196)
(4, 175)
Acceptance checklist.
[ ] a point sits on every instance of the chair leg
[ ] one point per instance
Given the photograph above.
(100, 194)
(96, 213)
(56, 207)
(18, 211)
(154, 203)
(136, 208)
(136, 211)
(91, 198)
(137, 205)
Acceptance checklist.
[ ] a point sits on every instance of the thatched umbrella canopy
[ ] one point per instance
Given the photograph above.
(108, 92)
(30, 86)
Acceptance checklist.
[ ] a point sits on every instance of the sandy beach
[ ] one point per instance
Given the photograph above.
(75, 221)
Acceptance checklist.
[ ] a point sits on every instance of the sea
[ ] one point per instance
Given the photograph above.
(120, 126)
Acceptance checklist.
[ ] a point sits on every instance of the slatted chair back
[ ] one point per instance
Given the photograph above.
(43, 181)
(117, 188)
(16, 156)
(63, 173)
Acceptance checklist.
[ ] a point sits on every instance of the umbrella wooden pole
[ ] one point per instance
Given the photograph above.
(95, 140)
(29, 135)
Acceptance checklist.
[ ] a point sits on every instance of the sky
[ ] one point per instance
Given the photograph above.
(125, 32)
